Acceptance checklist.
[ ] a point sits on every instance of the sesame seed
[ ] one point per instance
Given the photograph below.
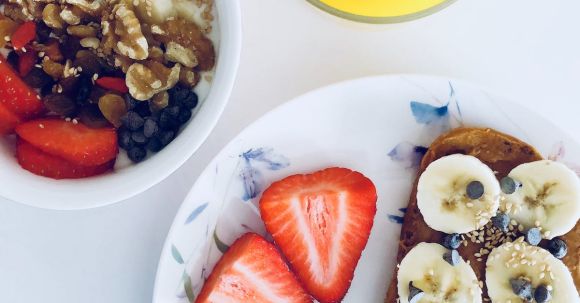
(41, 125)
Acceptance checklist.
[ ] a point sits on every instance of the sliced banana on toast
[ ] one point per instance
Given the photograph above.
(425, 276)
(457, 194)
(547, 196)
(519, 272)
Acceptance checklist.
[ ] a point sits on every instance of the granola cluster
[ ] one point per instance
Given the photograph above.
(154, 55)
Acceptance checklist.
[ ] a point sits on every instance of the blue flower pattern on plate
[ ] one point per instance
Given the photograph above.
(251, 176)
(196, 212)
(396, 218)
(438, 119)
(408, 154)
(558, 153)
(427, 114)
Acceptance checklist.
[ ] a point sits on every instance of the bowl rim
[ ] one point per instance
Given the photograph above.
(166, 162)
(380, 20)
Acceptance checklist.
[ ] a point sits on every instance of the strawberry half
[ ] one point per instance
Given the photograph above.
(321, 222)
(40, 163)
(8, 120)
(252, 270)
(75, 143)
(15, 95)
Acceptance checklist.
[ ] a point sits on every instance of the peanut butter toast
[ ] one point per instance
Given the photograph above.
(501, 153)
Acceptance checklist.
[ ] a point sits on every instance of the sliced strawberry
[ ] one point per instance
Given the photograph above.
(76, 143)
(321, 222)
(43, 164)
(8, 120)
(112, 83)
(23, 35)
(252, 270)
(26, 62)
(18, 97)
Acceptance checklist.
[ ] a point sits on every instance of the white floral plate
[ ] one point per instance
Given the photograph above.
(378, 126)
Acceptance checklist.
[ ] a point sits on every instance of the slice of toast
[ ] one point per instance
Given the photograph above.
(502, 153)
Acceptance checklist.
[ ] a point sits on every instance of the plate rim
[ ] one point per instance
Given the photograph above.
(166, 251)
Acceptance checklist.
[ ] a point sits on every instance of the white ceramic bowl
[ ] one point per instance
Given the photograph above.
(19, 185)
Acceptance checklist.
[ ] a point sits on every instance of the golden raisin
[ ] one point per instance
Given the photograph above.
(113, 107)
(7, 27)
(53, 69)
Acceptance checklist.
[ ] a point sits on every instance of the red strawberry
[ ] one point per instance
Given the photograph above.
(8, 120)
(76, 143)
(321, 222)
(15, 95)
(112, 83)
(43, 164)
(23, 35)
(252, 270)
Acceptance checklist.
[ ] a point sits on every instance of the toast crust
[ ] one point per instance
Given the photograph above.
(502, 153)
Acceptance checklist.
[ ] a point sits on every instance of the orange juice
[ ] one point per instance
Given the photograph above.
(380, 11)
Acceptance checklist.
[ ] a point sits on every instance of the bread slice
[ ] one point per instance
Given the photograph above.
(502, 153)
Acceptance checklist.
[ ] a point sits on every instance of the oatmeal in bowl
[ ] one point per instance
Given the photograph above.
(109, 90)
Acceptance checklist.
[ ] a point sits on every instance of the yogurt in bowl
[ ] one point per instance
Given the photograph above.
(218, 22)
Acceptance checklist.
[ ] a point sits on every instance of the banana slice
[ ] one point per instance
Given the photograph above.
(425, 267)
(444, 200)
(519, 260)
(549, 197)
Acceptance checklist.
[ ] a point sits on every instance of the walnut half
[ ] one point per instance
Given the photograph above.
(147, 79)
(91, 7)
(132, 43)
(175, 52)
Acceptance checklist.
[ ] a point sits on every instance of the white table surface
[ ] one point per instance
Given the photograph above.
(522, 49)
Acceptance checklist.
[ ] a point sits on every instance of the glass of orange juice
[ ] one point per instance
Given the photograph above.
(381, 11)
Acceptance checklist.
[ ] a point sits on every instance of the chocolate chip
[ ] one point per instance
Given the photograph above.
(501, 221)
(415, 294)
(522, 288)
(452, 257)
(533, 236)
(474, 190)
(452, 241)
